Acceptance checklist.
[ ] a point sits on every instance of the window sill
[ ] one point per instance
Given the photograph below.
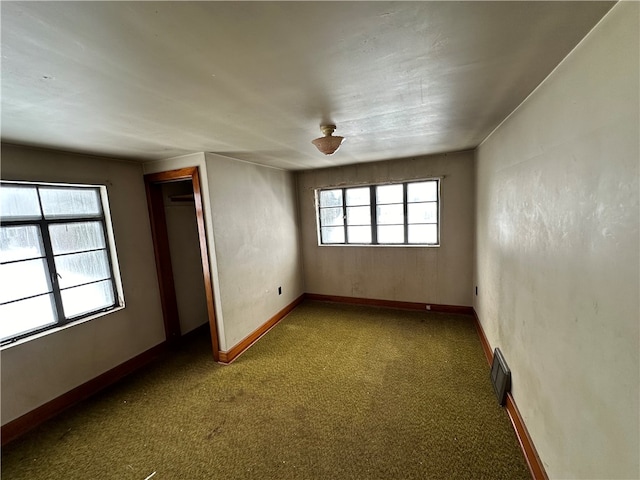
(364, 245)
(58, 329)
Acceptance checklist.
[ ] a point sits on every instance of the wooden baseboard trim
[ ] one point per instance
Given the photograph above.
(526, 444)
(226, 357)
(457, 309)
(486, 348)
(21, 425)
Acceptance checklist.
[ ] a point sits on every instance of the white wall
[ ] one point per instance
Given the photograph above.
(557, 259)
(39, 370)
(256, 242)
(441, 275)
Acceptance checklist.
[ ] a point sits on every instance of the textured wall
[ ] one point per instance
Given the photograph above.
(257, 244)
(415, 274)
(44, 368)
(557, 254)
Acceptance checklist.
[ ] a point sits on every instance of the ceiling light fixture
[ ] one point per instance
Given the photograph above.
(328, 144)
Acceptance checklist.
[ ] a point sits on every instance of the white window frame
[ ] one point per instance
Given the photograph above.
(61, 320)
(373, 207)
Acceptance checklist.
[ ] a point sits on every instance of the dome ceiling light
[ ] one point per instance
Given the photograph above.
(328, 144)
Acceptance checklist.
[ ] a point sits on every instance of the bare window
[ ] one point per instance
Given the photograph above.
(56, 257)
(391, 214)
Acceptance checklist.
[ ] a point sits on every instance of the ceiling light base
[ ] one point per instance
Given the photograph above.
(328, 144)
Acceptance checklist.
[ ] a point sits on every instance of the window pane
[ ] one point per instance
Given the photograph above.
(391, 234)
(389, 194)
(19, 202)
(422, 191)
(359, 234)
(20, 243)
(358, 216)
(390, 214)
(76, 237)
(423, 212)
(70, 202)
(23, 279)
(358, 196)
(26, 315)
(331, 216)
(79, 268)
(404, 213)
(87, 298)
(331, 198)
(423, 234)
(332, 234)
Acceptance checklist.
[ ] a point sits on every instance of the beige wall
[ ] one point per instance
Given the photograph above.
(439, 275)
(43, 368)
(557, 254)
(252, 232)
(256, 242)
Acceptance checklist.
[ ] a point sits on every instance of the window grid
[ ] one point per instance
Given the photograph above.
(43, 225)
(374, 221)
(353, 226)
(405, 213)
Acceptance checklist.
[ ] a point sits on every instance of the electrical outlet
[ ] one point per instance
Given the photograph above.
(279, 290)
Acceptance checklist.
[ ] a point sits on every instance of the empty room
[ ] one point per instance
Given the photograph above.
(310, 240)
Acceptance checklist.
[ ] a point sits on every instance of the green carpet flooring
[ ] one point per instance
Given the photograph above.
(332, 392)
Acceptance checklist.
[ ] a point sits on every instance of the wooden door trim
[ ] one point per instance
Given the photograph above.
(162, 255)
(153, 184)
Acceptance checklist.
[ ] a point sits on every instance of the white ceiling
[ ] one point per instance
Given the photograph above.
(254, 80)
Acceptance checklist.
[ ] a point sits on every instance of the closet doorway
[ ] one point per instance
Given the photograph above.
(179, 240)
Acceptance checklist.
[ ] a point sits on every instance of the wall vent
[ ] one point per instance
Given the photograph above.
(500, 376)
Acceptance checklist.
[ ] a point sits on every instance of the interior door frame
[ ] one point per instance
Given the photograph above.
(153, 186)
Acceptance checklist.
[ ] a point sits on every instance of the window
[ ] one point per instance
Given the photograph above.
(391, 214)
(56, 257)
